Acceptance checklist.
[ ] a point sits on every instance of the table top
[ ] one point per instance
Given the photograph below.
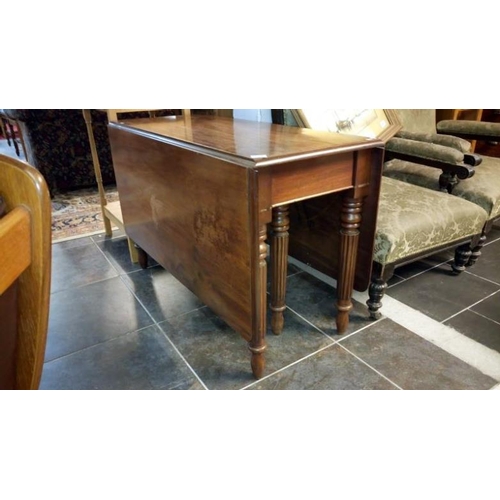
(251, 144)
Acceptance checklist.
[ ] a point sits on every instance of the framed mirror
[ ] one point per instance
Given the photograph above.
(374, 123)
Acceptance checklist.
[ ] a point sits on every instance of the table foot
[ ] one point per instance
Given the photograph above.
(342, 319)
(258, 361)
(277, 320)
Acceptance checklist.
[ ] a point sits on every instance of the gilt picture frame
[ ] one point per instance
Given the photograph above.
(373, 123)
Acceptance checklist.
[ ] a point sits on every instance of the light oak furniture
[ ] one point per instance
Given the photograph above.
(111, 212)
(25, 247)
(206, 191)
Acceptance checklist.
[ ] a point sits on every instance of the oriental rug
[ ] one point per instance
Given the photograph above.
(78, 213)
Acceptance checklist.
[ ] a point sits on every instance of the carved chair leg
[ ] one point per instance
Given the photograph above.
(376, 291)
(476, 251)
(462, 256)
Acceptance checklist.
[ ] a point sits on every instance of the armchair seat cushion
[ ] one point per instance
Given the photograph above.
(483, 188)
(412, 220)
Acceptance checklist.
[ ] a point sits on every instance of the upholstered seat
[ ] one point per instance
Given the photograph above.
(414, 222)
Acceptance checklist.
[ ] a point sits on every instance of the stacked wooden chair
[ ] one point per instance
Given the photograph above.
(25, 247)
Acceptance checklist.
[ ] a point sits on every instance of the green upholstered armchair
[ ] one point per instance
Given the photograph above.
(413, 222)
(482, 187)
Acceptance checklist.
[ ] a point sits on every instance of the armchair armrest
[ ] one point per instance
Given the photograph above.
(449, 160)
(425, 150)
(443, 140)
(470, 129)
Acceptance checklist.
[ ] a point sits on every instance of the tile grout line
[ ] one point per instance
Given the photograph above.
(97, 344)
(455, 343)
(419, 274)
(473, 353)
(483, 278)
(468, 307)
(163, 331)
(485, 317)
(251, 384)
(371, 367)
(313, 354)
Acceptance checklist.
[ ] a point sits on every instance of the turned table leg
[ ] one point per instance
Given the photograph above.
(279, 257)
(350, 220)
(257, 344)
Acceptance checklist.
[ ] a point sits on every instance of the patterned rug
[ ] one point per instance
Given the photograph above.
(78, 213)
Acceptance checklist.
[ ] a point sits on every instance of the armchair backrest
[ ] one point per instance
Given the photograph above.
(417, 120)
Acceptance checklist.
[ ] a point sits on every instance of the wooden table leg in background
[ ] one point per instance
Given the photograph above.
(257, 344)
(350, 220)
(97, 170)
(279, 259)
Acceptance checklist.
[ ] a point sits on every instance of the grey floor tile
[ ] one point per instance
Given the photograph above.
(411, 361)
(290, 271)
(76, 264)
(489, 307)
(219, 355)
(162, 295)
(488, 265)
(478, 328)
(69, 244)
(116, 250)
(439, 294)
(330, 369)
(419, 266)
(138, 360)
(90, 314)
(315, 301)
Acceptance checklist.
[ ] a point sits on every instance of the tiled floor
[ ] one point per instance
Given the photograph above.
(116, 326)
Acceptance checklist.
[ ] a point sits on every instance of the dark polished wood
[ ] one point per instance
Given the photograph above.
(204, 195)
(279, 255)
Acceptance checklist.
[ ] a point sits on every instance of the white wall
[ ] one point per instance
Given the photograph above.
(258, 115)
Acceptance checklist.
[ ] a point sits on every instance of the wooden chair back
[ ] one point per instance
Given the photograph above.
(25, 250)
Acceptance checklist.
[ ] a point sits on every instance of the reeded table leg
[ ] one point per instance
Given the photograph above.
(279, 255)
(350, 220)
(257, 345)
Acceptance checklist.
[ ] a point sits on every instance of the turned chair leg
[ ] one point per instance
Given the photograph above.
(463, 254)
(376, 292)
(476, 251)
